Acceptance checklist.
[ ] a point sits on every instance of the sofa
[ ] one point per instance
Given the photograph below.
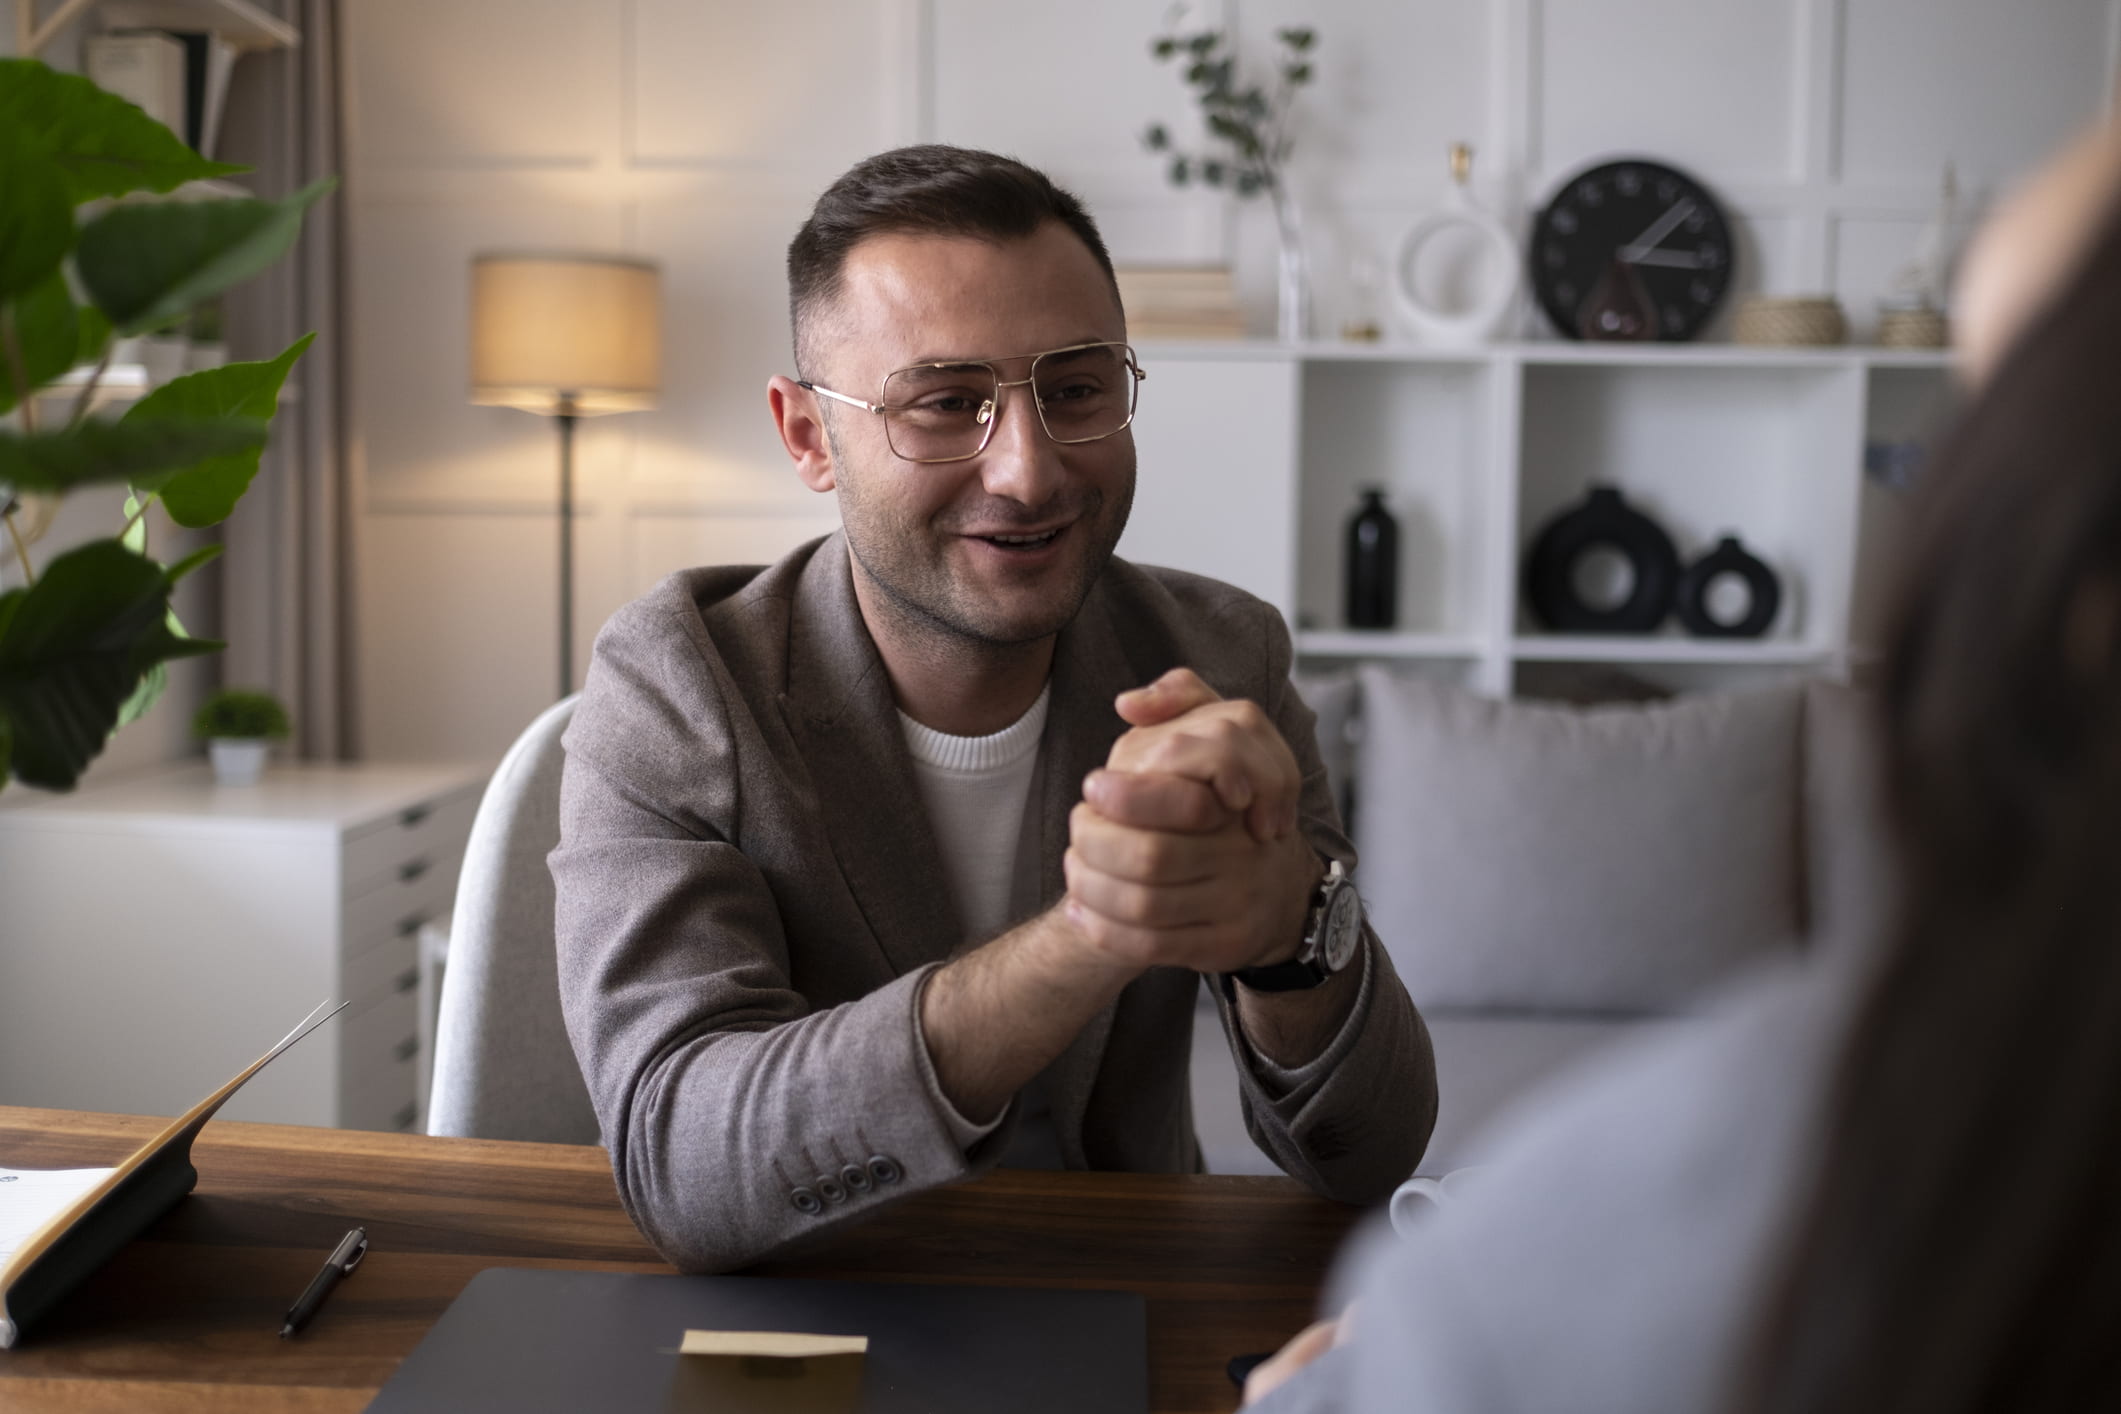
(1551, 879)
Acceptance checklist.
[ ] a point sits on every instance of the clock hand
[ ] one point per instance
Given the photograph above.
(1675, 259)
(1659, 229)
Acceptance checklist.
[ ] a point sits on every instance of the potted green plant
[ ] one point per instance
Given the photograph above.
(84, 638)
(239, 728)
(209, 346)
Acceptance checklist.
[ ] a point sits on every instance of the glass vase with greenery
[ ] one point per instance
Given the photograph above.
(86, 259)
(1250, 136)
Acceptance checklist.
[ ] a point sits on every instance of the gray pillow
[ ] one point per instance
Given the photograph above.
(1609, 859)
(1848, 852)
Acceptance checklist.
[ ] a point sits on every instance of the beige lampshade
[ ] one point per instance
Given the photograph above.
(565, 333)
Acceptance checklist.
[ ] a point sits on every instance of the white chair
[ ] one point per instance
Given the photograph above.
(503, 1068)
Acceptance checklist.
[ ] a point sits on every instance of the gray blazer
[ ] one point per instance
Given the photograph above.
(749, 898)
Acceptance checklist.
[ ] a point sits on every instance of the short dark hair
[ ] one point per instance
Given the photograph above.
(932, 189)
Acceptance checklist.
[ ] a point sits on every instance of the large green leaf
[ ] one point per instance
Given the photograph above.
(73, 650)
(145, 453)
(36, 219)
(47, 335)
(155, 681)
(204, 555)
(94, 326)
(102, 145)
(146, 265)
(206, 493)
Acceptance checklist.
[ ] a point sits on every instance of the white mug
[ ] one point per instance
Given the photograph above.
(1415, 1199)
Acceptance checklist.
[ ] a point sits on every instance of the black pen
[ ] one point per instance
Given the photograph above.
(343, 1259)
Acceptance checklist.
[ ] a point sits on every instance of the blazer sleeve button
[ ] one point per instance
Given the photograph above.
(806, 1202)
(829, 1188)
(885, 1170)
(856, 1178)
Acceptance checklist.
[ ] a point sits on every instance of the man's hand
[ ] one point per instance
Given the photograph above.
(1183, 728)
(1185, 851)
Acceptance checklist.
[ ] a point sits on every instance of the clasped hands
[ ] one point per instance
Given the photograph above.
(1185, 850)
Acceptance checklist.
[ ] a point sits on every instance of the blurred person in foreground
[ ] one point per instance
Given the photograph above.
(1895, 1185)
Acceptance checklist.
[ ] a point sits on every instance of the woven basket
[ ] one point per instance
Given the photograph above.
(1913, 329)
(1809, 320)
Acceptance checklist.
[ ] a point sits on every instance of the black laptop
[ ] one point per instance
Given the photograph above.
(541, 1342)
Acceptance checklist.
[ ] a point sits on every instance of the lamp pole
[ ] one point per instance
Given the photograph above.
(566, 335)
(567, 417)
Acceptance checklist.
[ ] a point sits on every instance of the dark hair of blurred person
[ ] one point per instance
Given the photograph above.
(1962, 1248)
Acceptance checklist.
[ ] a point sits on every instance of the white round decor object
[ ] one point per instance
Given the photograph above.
(1476, 317)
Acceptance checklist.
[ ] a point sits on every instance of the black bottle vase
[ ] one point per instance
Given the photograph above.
(1373, 564)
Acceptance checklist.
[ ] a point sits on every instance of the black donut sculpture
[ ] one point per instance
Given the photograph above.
(1729, 557)
(1604, 521)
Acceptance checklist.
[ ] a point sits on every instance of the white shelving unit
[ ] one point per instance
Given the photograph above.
(241, 24)
(1478, 450)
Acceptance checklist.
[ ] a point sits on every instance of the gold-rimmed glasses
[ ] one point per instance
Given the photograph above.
(945, 412)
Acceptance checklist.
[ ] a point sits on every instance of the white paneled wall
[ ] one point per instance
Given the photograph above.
(697, 132)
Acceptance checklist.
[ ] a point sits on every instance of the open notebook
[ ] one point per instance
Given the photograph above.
(59, 1225)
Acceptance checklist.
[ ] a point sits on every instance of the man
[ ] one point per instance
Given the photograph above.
(904, 857)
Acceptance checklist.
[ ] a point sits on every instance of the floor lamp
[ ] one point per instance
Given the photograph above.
(569, 336)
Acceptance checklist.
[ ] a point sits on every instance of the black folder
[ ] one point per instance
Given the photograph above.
(544, 1341)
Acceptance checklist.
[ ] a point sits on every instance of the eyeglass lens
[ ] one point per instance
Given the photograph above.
(944, 412)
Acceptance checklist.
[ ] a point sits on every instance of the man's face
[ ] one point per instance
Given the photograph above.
(928, 538)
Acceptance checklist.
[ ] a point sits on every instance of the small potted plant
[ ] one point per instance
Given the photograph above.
(209, 347)
(239, 729)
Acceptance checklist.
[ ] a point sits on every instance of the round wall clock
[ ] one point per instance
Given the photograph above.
(1631, 250)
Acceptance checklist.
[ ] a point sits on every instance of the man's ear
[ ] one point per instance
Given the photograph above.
(800, 421)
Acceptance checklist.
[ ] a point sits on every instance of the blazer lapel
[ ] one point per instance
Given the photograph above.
(839, 708)
(1090, 668)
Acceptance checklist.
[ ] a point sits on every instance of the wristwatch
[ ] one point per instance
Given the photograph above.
(1331, 932)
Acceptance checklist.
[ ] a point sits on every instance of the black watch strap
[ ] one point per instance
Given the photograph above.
(1298, 976)
(1309, 968)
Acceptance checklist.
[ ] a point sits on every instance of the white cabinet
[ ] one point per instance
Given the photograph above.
(1478, 450)
(157, 932)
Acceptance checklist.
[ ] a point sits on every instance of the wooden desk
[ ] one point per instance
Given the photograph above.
(187, 1318)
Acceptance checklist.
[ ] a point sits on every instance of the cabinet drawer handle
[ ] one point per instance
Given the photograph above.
(406, 1049)
(403, 1118)
(408, 979)
(410, 924)
(413, 870)
(414, 815)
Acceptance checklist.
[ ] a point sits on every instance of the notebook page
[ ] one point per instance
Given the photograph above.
(30, 1198)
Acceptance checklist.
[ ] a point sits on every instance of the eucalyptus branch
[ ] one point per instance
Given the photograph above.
(14, 533)
(1254, 124)
(17, 369)
(88, 391)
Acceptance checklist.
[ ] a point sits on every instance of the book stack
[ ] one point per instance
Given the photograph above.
(179, 80)
(145, 69)
(1180, 302)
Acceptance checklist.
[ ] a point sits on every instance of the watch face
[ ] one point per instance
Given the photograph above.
(1636, 244)
(1343, 930)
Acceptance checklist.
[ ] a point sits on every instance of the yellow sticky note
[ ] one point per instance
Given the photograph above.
(779, 1345)
(788, 1372)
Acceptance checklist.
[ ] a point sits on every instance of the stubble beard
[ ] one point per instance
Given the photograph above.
(908, 561)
